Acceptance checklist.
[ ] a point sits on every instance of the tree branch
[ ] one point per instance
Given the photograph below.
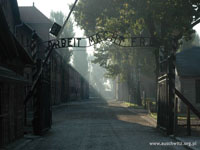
(195, 23)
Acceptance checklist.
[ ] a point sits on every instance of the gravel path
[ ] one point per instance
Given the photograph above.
(99, 125)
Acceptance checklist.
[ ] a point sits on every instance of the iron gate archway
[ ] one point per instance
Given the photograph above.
(165, 83)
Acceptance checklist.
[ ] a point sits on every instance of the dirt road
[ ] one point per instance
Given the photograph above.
(100, 125)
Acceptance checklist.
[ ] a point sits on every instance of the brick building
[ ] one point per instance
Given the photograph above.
(39, 107)
(56, 78)
(22, 52)
(13, 60)
(67, 84)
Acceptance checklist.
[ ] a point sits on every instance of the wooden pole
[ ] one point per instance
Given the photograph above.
(25, 115)
(171, 96)
(188, 103)
(188, 121)
(175, 115)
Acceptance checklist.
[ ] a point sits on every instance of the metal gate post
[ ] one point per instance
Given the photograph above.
(171, 98)
(166, 92)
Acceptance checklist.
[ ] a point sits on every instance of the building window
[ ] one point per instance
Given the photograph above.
(197, 91)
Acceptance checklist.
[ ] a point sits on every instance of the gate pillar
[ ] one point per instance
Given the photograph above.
(166, 93)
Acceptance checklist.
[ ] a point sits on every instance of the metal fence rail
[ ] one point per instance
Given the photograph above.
(4, 129)
(184, 122)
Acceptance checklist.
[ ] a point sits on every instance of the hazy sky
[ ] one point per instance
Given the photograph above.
(45, 6)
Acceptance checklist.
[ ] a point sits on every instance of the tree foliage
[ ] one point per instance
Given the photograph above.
(68, 31)
(187, 44)
(97, 78)
(164, 21)
(161, 18)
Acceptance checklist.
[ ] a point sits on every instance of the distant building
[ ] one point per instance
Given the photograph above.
(65, 83)
(37, 20)
(188, 76)
(39, 23)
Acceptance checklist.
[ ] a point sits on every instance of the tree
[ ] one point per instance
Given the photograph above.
(186, 44)
(59, 18)
(156, 15)
(164, 21)
(97, 78)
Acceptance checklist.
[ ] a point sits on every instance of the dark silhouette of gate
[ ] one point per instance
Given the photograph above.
(42, 114)
(166, 94)
(41, 110)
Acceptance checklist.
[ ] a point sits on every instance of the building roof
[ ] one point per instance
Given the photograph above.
(11, 49)
(15, 10)
(30, 14)
(8, 75)
(23, 54)
(188, 62)
(6, 40)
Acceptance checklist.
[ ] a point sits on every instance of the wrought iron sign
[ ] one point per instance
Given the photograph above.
(100, 37)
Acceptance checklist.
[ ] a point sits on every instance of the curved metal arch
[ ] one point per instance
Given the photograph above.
(99, 37)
